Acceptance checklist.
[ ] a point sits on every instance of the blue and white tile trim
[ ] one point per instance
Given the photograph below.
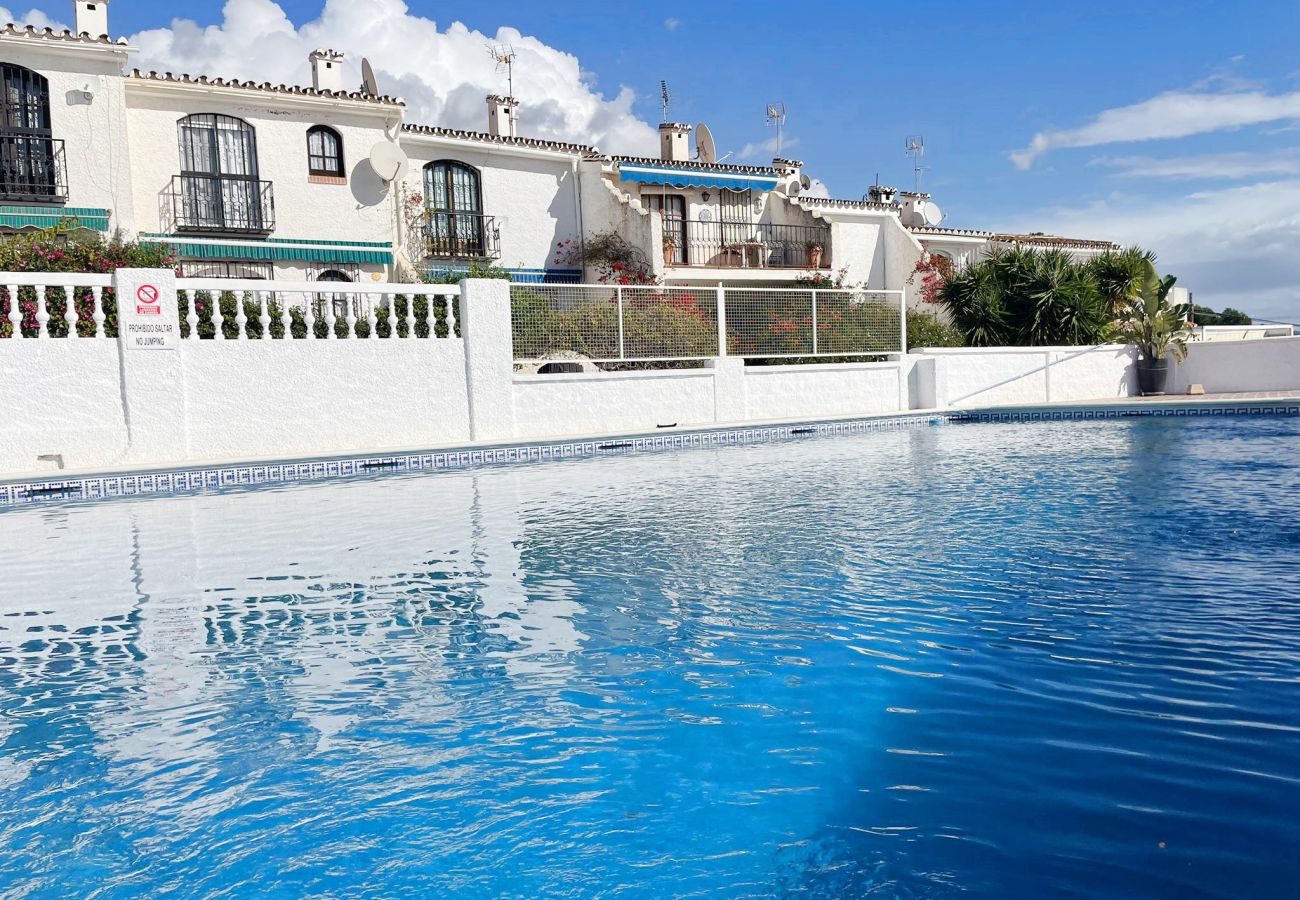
(97, 487)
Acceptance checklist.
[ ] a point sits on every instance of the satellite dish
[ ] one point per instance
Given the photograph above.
(931, 213)
(388, 161)
(705, 148)
(805, 182)
(369, 86)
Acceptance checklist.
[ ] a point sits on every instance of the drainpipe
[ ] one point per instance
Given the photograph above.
(577, 199)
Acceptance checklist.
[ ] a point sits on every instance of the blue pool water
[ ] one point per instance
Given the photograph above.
(1010, 661)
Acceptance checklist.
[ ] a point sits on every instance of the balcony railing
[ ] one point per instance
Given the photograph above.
(32, 168)
(462, 235)
(222, 203)
(746, 245)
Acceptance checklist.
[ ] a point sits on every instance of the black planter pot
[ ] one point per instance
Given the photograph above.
(1153, 376)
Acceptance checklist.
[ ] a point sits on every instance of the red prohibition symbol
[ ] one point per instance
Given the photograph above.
(147, 294)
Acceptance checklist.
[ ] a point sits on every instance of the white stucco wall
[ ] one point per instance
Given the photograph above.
(361, 210)
(973, 377)
(532, 194)
(1271, 364)
(94, 132)
(552, 405)
(61, 397)
(258, 399)
(831, 389)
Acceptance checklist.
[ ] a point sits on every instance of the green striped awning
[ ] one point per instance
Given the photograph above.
(49, 216)
(190, 247)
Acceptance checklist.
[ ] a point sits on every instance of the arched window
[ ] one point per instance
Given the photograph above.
(324, 152)
(339, 302)
(219, 187)
(454, 206)
(31, 160)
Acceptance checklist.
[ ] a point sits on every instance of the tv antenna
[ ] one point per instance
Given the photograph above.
(504, 55)
(776, 116)
(915, 151)
(664, 99)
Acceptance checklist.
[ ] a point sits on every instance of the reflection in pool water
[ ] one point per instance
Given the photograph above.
(1033, 660)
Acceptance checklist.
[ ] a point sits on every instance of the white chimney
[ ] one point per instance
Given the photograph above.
(503, 116)
(326, 70)
(92, 17)
(674, 142)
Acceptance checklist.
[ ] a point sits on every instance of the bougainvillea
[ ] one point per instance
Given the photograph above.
(610, 257)
(933, 270)
(67, 248)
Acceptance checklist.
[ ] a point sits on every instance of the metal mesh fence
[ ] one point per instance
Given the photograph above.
(766, 322)
(613, 324)
(617, 324)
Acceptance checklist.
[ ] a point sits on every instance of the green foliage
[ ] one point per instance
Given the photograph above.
(654, 325)
(1155, 325)
(925, 330)
(1206, 316)
(67, 248)
(384, 319)
(1024, 297)
(1118, 275)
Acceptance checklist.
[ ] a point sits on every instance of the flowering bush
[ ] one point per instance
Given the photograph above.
(612, 259)
(934, 271)
(64, 248)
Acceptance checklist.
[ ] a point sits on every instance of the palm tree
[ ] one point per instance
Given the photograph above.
(1118, 275)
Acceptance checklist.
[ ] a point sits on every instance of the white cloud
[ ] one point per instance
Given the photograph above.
(1174, 114)
(767, 148)
(1209, 166)
(32, 17)
(443, 74)
(671, 24)
(1233, 246)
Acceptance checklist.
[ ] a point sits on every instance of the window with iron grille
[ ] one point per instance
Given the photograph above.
(30, 158)
(324, 152)
(219, 187)
(454, 206)
(226, 268)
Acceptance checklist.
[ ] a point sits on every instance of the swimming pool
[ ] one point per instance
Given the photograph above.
(1012, 660)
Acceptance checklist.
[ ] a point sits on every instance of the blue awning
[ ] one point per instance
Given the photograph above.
(701, 178)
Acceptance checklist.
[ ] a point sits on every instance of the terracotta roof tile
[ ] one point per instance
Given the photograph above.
(533, 143)
(265, 87)
(694, 164)
(1051, 240)
(847, 204)
(49, 34)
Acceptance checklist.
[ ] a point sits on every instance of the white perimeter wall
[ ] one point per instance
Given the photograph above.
(1271, 364)
(973, 377)
(210, 401)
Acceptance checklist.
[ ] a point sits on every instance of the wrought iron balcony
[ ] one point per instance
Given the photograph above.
(226, 204)
(746, 245)
(32, 168)
(461, 235)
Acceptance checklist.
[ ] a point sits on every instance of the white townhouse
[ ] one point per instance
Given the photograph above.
(248, 179)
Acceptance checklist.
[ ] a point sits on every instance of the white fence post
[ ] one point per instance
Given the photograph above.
(902, 322)
(153, 384)
(722, 320)
(489, 357)
(814, 321)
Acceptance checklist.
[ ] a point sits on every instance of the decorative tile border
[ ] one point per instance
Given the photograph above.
(100, 487)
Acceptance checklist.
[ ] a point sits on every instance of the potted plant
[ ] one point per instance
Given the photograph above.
(1158, 328)
(670, 250)
(815, 251)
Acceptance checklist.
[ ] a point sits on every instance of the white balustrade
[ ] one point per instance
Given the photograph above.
(201, 306)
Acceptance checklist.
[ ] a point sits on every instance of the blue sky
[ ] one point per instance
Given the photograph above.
(1169, 124)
